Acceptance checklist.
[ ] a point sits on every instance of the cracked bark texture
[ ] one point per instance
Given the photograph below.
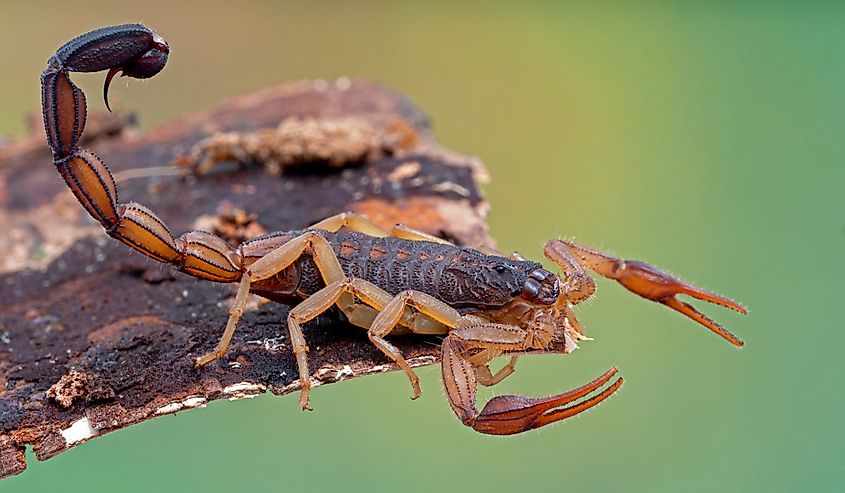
(94, 337)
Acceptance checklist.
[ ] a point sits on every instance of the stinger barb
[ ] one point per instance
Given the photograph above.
(112, 72)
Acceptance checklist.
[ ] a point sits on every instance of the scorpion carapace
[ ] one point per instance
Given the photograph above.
(484, 304)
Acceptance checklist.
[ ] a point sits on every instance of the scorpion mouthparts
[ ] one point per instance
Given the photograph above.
(541, 286)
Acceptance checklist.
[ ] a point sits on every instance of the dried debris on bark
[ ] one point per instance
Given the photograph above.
(94, 338)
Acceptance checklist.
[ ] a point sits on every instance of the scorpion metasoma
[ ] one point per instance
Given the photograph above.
(405, 281)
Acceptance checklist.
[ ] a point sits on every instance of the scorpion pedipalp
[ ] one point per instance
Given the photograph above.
(510, 414)
(653, 284)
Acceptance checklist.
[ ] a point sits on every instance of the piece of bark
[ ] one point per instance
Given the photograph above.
(94, 338)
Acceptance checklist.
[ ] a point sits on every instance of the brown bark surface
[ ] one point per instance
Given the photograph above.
(94, 337)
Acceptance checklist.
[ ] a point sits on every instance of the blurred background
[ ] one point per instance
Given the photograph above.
(706, 139)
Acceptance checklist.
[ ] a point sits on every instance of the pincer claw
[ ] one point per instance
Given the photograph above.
(510, 414)
(653, 284)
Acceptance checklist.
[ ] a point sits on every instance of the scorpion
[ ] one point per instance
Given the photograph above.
(483, 303)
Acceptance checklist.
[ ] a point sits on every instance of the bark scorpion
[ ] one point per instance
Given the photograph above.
(403, 281)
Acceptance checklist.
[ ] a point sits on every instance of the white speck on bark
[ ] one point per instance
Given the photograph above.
(80, 430)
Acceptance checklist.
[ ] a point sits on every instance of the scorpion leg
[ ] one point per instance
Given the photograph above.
(363, 315)
(408, 233)
(651, 283)
(350, 220)
(436, 317)
(359, 223)
(318, 303)
(374, 298)
(270, 265)
(485, 376)
(235, 314)
(339, 290)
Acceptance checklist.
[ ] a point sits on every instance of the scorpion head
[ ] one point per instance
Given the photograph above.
(486, 280)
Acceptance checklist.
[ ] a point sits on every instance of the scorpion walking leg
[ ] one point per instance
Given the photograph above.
(350, 220)
(278, 260)
(408, 233)
(361, 224)
(235, 314)
(650, 283)
(485, 376)
(268, 266)
(436, 316)
(339, 290)
(358, 314)
(319, 302)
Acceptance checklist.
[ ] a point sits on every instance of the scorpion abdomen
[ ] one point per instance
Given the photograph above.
(460, 276)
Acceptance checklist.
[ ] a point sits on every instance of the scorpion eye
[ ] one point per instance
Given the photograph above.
(500, 268)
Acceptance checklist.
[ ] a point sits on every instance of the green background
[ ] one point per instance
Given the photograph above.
(705, 139)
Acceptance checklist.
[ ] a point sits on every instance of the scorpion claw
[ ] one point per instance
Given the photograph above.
(691, 312)
(510, 414)
(653, 284)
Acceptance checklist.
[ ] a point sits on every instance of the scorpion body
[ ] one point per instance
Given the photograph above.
(453, 274)
(483, 303)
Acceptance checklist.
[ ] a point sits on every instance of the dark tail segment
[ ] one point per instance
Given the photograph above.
(137, 52)
(64, 108)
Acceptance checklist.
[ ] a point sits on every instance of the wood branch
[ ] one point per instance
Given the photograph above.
(94, 338)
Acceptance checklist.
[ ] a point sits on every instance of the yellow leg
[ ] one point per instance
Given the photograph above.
(350, 220)
(409, 233)
(268, 266)
(437, 313)
(234, 315)
(318, 303)
(486, 377)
